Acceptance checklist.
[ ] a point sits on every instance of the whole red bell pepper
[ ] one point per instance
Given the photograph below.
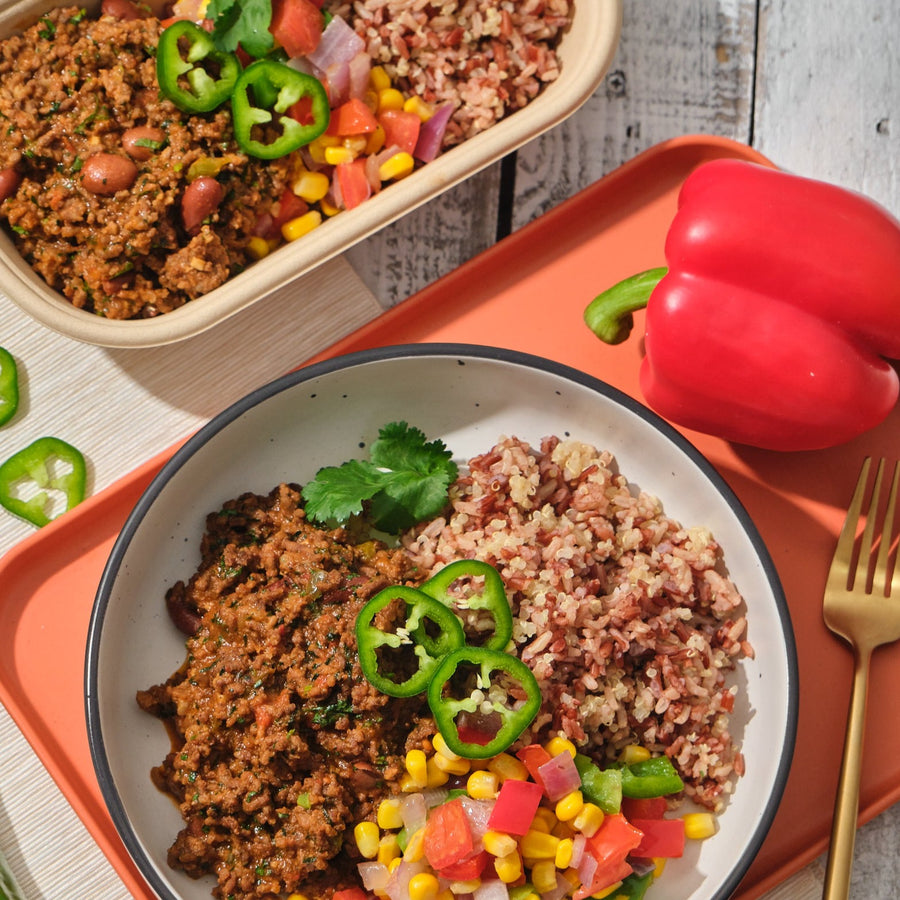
(774, 320)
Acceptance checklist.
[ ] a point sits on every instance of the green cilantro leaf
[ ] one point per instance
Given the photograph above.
(405, 481)
(244, 22)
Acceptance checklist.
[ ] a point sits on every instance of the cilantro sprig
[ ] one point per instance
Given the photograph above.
(244, 22)
(404, 481)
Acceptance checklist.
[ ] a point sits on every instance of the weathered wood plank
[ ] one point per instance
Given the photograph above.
(828, 93)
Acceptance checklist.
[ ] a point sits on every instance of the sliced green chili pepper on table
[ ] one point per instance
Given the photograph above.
(429, 632)
(491, 598)
(191, 71)
(262, 99)
(513, 719)
(9, 887)
(9, 386)
(28, 477)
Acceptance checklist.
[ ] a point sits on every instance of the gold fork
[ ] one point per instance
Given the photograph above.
(862, 605)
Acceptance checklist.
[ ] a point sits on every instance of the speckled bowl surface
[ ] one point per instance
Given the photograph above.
(469, 396)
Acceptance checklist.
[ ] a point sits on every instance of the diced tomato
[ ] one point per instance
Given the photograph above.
(301, 111)
(644, 807)
(466, 869)
(353, 182)
(515, 807)
(448, 836)
(353, 893)
(352, 117)
(662, 837)
(534, 756)
(288, 207)
(610, 845)
(296, 26)
(401, 129)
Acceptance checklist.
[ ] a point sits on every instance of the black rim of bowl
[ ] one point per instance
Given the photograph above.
(462, 351)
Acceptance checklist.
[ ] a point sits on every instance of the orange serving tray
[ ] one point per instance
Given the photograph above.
(527, 293)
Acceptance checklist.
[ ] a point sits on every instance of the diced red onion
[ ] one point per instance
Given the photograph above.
(339, 44)
(434, 796)
(358, 69)
(374, 876)
(477, 812)
(431, 133)
(413, 811)
(559, 776)
(578, 844)
(336, 79)
(561, 890)
(587, 868)
(492, 889)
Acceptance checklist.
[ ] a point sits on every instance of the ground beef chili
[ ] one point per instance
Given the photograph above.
(92, 204)
(280, 745)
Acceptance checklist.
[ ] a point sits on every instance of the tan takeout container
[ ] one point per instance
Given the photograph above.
(586, 51)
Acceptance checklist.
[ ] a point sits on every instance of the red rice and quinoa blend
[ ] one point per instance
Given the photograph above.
(487, 58)
(622, 614)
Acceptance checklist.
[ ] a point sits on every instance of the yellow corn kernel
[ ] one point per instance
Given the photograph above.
(456, 766)
(398, 166)
(418, 106)
(634, 753)
(558, 744)
(572, 876)
(318, 147)
(388, 815)
(607, 892)
(390, 98)
(415, 846)
(297, 897)
(423, 886)
(482, 785)
(505, 766)
(375, 141)
(699, 825)
(417, 767)
(497, 843)
(543, 876)
(334, 156)
(445, 894)
(388, 849)
(564, 853)
(509, 867)
(311, 186)
(564, 830)
(367, 839)
(304, 224)
(539, 845)
(407, 784)
(258, 247)
(589, 819)
(659, 864)
(440, 746)
(395, 863)
(544, 819)
(379, 79)
(436, 777)
(355, 143)
(327, 208)
(569, 806)
(465, 887)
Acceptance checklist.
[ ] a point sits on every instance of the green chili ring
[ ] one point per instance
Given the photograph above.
(492, 598)
(513, 719)
(9, 386)
(414, 634)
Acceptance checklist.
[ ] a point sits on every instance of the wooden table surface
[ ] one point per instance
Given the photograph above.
(812, 84)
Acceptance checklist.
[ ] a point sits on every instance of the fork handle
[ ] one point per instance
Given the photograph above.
(846, 805)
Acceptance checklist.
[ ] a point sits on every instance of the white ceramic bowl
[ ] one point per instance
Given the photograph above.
(468, 396)
(585, 51)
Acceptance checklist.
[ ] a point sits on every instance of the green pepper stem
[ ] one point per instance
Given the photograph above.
(609, 315)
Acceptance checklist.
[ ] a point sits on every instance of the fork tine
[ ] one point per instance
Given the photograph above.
(847, 538)
(865, 544)
(880, 582)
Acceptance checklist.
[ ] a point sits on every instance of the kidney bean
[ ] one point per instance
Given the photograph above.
(183, 615)
(201, 199)
(135, 139)
(107, 173)
(9, 182)
(121, 9)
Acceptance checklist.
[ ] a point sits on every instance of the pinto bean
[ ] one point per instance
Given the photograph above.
(9, 182)
(201, 199)
(183, 615)
(121, 9)
(108, 173)
(135, 141)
